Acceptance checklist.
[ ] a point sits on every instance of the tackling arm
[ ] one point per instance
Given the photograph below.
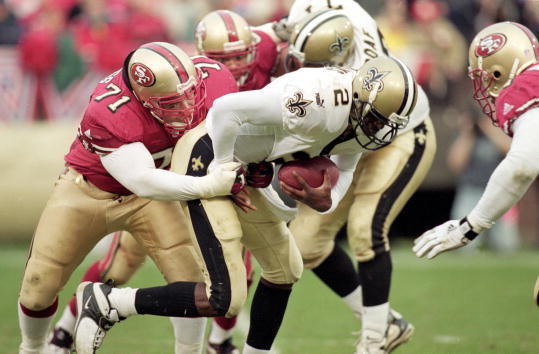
(132, 165)
(506, 186)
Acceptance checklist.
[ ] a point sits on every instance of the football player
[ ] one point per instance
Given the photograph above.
(310, 112)
(504, 69)
(116, 177)
(250, 55)
(342, 33)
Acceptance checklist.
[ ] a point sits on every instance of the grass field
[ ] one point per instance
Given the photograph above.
(458, 304)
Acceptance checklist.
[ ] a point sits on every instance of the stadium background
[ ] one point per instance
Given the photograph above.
(52, 52)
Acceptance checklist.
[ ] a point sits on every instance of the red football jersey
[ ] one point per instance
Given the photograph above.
(517, 98)
(114, 117)
(265, 57)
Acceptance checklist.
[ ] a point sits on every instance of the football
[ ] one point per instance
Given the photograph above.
(311, 170)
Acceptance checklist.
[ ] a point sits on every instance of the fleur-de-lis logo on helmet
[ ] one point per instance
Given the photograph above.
(297, 105)
(374, 79)
(340, 44)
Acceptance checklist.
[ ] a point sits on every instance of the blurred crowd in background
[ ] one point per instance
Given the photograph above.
(53, 52)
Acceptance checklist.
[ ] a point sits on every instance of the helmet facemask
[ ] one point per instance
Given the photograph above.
(482, 84)
(239, 62)
(183, 110)
(373, 129)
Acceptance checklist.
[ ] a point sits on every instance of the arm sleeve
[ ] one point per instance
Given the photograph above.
(513, 176)
(132, 165)
(229, 113)
(347, 165)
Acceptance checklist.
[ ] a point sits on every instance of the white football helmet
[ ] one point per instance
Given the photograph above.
(165, 81)
(497, 54)
(384, 94)
(225, 36)
(323, 38)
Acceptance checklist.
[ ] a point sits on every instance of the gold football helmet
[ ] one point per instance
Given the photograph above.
(384, 93)
(225, 36)
(165, 81)
(323, 38)
(497, 54)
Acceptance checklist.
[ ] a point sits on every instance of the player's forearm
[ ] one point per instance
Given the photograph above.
(159, 184)
(133, 166)
(505, 188)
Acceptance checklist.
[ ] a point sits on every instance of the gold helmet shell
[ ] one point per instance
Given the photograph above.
(497, 54)
(165, 81)
(384, 94)
(323, 38)
(224, 34)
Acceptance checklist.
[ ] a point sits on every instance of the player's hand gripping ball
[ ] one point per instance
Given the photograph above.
(312, 171)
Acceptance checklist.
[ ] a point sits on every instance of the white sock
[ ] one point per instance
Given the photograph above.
(354, 300)
(247, 349)
(67, 321)
(374, 322)
(218, 334)
(123, 300)
(189, 334)
(34, 330)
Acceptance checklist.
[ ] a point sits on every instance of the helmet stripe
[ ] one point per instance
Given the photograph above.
(531, 37)
(410, 91)
(309, 28)
(174, 61)
(230, 25)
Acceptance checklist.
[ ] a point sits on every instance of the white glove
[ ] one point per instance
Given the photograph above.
(445, 237)
(219, 180)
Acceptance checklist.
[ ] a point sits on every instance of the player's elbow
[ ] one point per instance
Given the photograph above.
(525, 174)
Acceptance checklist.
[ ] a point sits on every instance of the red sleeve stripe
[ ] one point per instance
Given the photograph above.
(176, 63)
(527, 105)
(102, 150)
(230, 25)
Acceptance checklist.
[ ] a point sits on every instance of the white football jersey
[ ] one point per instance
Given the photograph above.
(368, 42)
(297, 115)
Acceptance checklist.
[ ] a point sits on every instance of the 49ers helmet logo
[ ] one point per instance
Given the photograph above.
(142, 75)
(490, 44)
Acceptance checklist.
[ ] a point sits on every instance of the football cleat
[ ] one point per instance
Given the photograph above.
(95, 316)
(60, 341)
(399, 331)
(225, 347)
(368, 345)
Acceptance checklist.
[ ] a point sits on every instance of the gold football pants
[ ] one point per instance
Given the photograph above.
(78, 214)
(384, 180)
